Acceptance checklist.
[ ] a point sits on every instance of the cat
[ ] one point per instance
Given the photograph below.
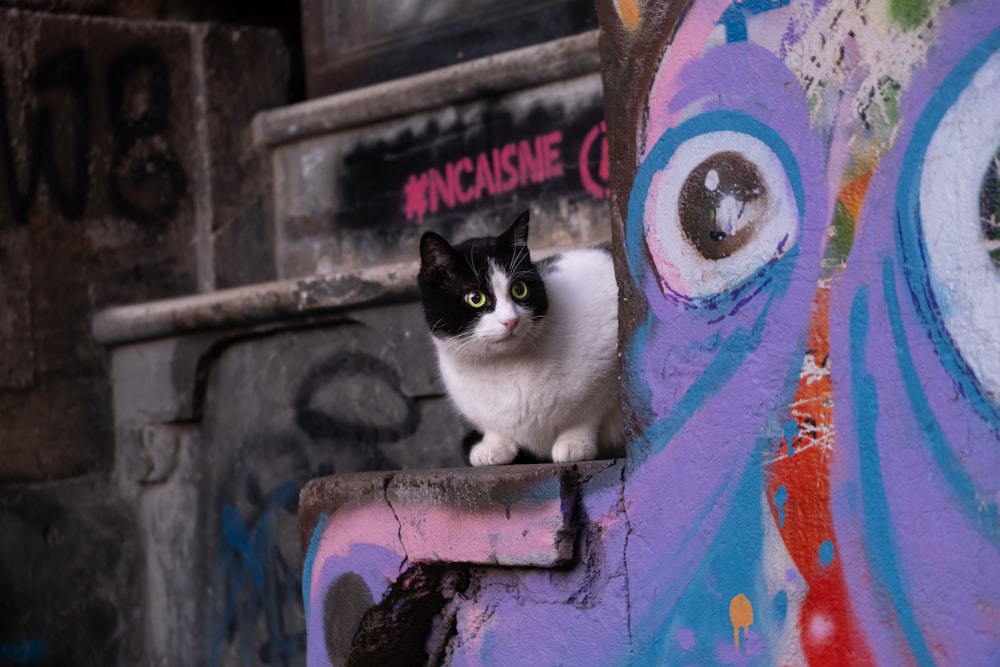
(527, 351)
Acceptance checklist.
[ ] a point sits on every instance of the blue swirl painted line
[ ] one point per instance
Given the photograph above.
(658, 159)
(310, 560)
(879, 541)
(733, 352)
(253, 577)
(981, 511)
(911, 248)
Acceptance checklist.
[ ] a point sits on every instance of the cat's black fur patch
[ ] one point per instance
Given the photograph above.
(448, 273)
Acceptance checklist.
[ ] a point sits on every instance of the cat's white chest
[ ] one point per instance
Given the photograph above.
(498, 395)
(564, 376)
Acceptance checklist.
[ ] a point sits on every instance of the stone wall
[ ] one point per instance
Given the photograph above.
(126, 174)
(462, 151)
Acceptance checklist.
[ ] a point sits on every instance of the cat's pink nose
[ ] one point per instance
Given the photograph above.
(510, 324)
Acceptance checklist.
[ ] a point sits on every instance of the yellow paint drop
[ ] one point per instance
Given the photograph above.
(741, 616)
(628, 12)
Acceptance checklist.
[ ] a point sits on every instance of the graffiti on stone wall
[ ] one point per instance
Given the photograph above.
(454, 167)
(339, 410)
(807, 200)
(814, 267)
(145, 180)
(492, 173)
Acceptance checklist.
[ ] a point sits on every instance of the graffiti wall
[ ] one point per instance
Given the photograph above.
(804, 198)
(811, 229)
(364, 195)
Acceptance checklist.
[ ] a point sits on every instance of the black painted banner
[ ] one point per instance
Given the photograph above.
(488, 159)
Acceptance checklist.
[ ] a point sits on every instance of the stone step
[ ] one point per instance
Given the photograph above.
(227, 402)
(360, 175)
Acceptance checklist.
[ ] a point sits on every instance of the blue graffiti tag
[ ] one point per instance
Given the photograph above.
(251, 578)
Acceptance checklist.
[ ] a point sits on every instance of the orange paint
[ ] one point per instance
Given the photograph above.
(628, 12)
(808, 522)
(741, 616)
(853, 194)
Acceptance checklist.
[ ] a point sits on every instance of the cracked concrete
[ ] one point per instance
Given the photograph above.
(628, 532)
(459, 581)
(399, 524)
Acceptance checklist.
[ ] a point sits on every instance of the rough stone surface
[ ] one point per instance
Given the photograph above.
(229, 424)
(507, 515)
(265, 302)
(122, 159)
(349, 198)
(361, 42)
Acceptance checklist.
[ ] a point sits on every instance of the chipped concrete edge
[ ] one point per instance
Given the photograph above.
(521, 490)
(266, 302)
(492, 75)
(240, 306)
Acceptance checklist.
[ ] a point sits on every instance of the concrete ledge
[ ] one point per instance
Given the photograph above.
(264, 302)
(507, 515)
(501, 73)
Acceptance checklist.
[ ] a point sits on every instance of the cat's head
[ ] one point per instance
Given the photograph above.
(483, 296)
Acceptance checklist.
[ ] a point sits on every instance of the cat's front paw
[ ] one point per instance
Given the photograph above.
(493, 450)
(568, 449)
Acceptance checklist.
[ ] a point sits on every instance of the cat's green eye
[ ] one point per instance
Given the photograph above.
(519, 290)
(476, 299)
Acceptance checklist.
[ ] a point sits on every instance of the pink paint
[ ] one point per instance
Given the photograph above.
(596, 186)
(491, 173)
(530, 533)
(686, 47)
(372, 524)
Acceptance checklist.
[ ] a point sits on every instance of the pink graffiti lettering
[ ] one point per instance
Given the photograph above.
(595, 188)
(488, 174)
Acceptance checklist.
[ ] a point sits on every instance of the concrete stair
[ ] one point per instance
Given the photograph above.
(228, 402)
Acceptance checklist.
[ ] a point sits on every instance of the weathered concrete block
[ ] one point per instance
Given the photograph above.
(360, 42)
(507, 515)
(227, 403)
(423, 579)
(350, 196)
(125, 174)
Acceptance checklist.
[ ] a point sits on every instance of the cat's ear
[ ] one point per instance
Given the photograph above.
(436, 254)
(517, 234)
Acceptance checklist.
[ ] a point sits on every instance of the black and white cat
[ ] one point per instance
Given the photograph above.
(528, 352)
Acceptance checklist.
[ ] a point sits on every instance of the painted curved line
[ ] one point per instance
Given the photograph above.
(911, 248)
(733, 352)
(310, 560)
(981, 512)
(880, 544)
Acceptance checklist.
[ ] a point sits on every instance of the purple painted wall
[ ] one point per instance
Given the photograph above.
(805, 198)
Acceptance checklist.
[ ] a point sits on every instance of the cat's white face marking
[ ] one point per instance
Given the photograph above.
(509, 321)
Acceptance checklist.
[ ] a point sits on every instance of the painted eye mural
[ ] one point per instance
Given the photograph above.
(720, 210)
(725, 345)
(919, 451)
(812, 225)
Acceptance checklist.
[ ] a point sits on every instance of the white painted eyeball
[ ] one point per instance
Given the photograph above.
(720, 210)
(959, 207)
